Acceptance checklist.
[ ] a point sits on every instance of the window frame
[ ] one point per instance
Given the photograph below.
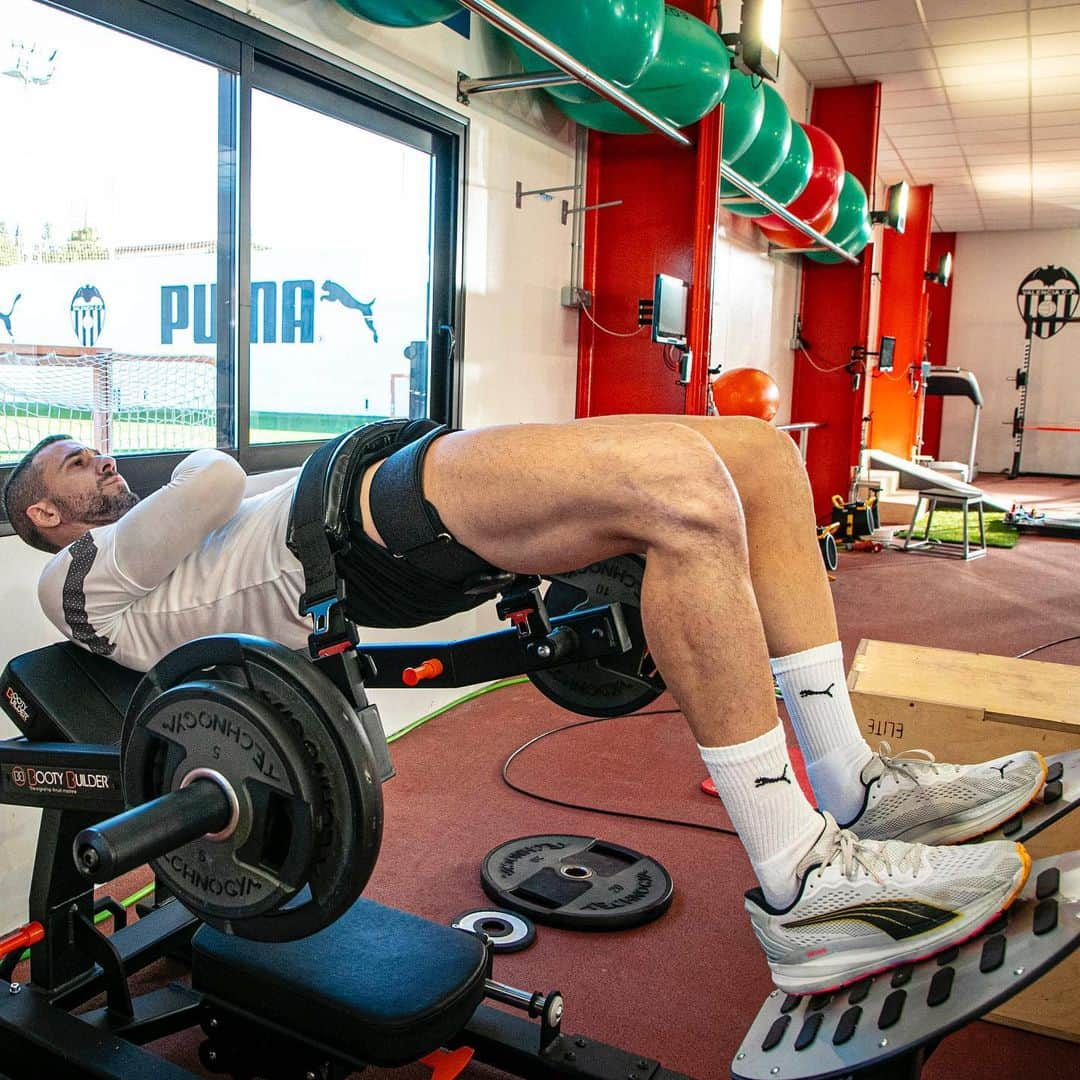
(253, 55)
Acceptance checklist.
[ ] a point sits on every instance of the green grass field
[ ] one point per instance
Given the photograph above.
(20, 431)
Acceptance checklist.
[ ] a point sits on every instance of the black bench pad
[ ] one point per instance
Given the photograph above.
(380, 985)
(63, 693)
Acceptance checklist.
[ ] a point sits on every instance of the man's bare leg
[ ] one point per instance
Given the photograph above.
(540, 498)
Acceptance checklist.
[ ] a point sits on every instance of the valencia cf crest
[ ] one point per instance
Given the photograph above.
(87, 315)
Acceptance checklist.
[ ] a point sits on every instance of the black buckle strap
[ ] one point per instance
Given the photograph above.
(319, 527)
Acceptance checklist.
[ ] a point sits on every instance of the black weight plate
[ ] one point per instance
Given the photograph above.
(220, 729)
(611, 685)
(576, 882)
(829, 554)
(506, 930)
(348, 821)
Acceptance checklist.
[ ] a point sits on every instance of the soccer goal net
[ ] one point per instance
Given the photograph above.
(120, 403)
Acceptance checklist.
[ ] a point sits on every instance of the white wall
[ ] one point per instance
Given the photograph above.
(755, 296)
(520, 345)
(986, 335)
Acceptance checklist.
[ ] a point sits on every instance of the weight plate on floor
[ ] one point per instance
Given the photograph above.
(576, 882)
(507, 931)
(610, 685)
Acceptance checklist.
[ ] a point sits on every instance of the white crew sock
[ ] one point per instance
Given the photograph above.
(770, 813)
(815, 692)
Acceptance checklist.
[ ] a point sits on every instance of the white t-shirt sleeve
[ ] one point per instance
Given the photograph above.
(155, 535)
(88, 586)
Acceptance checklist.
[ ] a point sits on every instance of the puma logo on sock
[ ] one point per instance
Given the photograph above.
(1001, 768)
(761, 781)
(827, 692)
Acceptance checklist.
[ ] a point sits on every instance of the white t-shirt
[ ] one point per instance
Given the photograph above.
(203, 555)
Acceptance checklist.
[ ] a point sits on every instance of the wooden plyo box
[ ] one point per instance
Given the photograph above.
(968, 707)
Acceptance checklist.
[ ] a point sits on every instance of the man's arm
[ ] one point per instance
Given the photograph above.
(155, 535)
(267, 481)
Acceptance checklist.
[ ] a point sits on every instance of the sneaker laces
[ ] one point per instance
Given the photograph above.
(878, 859)
(907, 763)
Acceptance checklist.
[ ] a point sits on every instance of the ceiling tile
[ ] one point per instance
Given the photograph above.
(986, 75)
(1057, 119)
(810, 48)
(982, 28)
(1005, 51)
(889, 39)
(868, 15)
(995, 91)
(995, 137)
(1047, 86)
(926, 127)
(943, 140)
(910, 80)
(883, 63)
(994, 107)
(1045, 45)
(913, 99)
(991, 123)
(1052, 103)
(816, 70)
(1046, 140)
(941, 154)
(1050, 67)
(958, 9)
(1056, 20)
(889, 117)
(796, 24)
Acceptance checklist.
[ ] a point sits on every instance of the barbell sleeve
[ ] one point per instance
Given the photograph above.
(128, 840)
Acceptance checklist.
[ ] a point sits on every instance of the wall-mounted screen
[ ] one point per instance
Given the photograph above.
(669, 310)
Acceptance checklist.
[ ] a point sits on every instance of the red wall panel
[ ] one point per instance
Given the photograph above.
(937, 337)
(835, 307)
(666, 224)
(904, 313)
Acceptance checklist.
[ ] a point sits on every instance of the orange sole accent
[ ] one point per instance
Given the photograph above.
(1025, 858)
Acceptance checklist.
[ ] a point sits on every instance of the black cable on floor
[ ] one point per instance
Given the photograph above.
(1048, 645)
(599, 809)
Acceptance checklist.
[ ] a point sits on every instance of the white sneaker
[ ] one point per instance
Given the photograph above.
(865, 906)
(915, 798)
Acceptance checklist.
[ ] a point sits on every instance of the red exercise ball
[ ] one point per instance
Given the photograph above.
(788, 237)
(826, 180)
(746, 392)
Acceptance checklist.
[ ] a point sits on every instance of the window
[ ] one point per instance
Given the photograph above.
(212, 237)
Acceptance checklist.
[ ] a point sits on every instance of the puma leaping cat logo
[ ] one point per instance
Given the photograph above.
(5, 316)
(332, 291)
(1001, 768)
(827, 692)
(761, 781)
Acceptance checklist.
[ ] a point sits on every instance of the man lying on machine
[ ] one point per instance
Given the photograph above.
(721, 510)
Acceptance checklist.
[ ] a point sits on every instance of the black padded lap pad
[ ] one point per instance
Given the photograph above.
(63, 692)
(379, 985)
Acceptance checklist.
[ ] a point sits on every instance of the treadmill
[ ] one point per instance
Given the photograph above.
(952, 382)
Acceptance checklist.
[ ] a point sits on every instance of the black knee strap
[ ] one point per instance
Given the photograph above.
(409, 525)
(318, 528)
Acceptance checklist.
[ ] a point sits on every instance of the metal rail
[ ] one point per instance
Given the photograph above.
(521, 32)
(527, 36)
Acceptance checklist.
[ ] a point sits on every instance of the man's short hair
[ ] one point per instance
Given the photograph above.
(24, 488)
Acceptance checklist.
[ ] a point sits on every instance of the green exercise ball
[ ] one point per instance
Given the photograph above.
(685, 81)
(617, 39)
(402, 12)
(853, 245)
(853, 210)
(744, 113)
(789, 181)
(770, 145)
